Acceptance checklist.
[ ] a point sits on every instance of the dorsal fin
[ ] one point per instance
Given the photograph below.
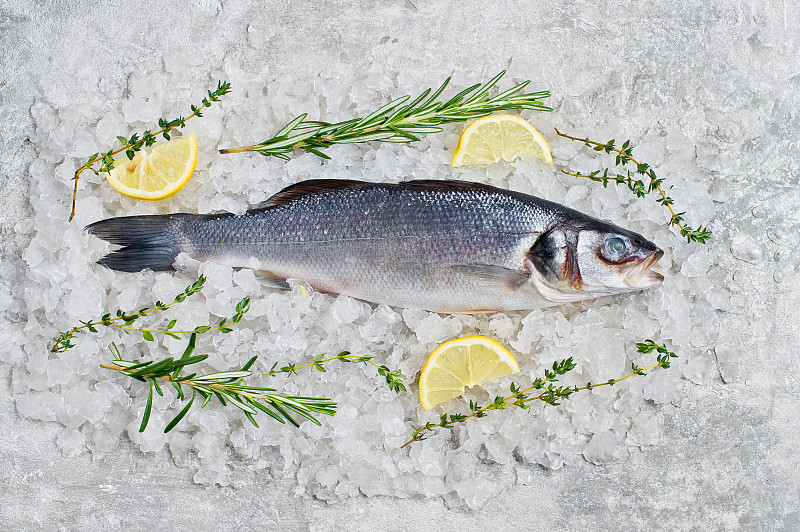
(434, 184)
(311, 186)
(314, 186)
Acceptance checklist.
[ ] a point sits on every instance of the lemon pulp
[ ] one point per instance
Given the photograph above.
(456, 364)
(500, 137)
(158, 174)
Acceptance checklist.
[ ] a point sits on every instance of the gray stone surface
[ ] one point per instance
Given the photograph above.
(727, 459)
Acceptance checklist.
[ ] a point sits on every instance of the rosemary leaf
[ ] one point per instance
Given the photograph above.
(181, 414)
(147, 408)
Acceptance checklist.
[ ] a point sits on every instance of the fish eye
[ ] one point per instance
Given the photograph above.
(614, 248)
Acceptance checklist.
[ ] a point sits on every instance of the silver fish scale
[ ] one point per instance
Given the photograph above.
(429, 246)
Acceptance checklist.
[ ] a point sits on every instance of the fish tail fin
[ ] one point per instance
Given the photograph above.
(148, 242)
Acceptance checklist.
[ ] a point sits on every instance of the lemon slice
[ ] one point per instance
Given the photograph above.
(462, 362)
(158, 174)
(495, 137)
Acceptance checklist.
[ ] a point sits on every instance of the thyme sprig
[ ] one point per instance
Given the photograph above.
(226, 386)
(624, 155)
(397, 121)
(135, 143)
(241, 308)
(394, 378)
(64, 340)
(549, 393)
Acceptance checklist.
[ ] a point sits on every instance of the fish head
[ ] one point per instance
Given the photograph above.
(592, 259)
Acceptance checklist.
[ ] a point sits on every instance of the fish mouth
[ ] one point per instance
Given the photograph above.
(642, 276)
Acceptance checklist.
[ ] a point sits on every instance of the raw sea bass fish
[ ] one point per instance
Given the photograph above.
(445, 246)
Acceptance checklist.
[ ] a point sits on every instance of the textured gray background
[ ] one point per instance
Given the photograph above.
(728, 458)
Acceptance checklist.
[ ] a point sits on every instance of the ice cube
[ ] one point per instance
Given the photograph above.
(600, 449)
(477, 492)
(346, 309)
(71, 442)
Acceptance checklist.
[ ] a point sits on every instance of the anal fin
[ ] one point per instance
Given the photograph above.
(271, 280)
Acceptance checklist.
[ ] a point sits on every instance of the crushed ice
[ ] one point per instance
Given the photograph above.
(357, 451)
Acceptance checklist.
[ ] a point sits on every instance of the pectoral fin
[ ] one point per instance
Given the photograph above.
(506, 278)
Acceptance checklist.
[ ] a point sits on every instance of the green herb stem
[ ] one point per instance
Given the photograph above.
(397, 121)
(63, 341)
(394, 378)
(225, 386)
(551, 395)
(135, 144)
(624, 156)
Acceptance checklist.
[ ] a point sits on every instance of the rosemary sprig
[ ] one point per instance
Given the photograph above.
(550, 393)
(394, 378)
(133, 144)
(397, 121)
(226, 386)
(64, 340)
(624, 155)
